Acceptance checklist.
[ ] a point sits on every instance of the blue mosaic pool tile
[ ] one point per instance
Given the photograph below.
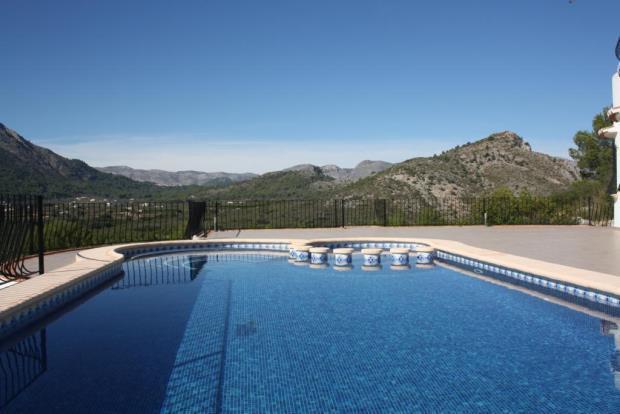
(339, 356)
(195, 379)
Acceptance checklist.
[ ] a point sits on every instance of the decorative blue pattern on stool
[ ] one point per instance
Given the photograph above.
(301, 256)
(372, 259)
(318, 258)
(400, 259)
(424, 258)
(342, 259)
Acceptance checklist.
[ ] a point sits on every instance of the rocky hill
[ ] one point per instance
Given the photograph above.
(177, 178)
(341, 175)
(295, 184)
(28, 168)
(501, 160)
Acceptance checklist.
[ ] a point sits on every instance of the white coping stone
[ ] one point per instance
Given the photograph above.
(399, 250)
(372, 251)
(343, 250)
(319, 250)
(425, 249)
(302, 248)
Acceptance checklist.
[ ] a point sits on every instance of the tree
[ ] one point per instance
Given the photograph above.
(594, 156)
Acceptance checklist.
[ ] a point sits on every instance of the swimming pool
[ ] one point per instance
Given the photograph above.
(249, 332)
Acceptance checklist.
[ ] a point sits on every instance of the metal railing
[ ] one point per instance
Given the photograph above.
(28, 226)
(265, 214)
(21, 229)
(72, 225)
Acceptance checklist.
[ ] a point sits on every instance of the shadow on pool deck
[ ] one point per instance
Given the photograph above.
(584, 247)
(53, 260)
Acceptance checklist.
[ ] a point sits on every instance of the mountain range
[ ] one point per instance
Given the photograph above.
(502, 160)
(177, 178)
(181, 178)
(344, 175)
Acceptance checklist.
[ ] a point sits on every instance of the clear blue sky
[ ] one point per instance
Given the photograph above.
(260, 85)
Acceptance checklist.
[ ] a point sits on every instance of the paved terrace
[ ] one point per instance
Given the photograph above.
(584, 247)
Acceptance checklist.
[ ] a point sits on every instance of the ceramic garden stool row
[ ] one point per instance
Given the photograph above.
(342, 257)
(400, 256)
(318, 255)
(372, 257)
(425, 255)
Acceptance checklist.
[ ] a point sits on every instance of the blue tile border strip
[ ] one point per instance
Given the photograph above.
(358, 245)
(580, 295)
(131, 251)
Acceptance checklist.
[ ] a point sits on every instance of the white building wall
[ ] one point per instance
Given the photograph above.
(615, 85)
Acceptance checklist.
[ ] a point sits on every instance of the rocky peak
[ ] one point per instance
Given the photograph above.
(508, 138)
(12, 141)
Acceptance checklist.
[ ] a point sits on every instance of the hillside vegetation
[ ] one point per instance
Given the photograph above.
(501, 161)
(28, 168)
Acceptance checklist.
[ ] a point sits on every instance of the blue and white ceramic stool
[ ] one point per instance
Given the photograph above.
(372, 257)
(425, 255)
(291, 252)
(318, 255)
(302, 254)
(342, 257)
(400, 256)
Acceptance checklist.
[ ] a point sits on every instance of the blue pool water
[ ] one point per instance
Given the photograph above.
(236, 333)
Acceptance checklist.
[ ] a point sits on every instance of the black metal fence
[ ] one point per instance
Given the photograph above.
(21, 229)
(265, 214)
(28, 226)
(71, 225)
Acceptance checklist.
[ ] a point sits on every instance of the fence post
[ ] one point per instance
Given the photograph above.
(196, 212)
(342, 212)
(41, 234)
(385, 220)
(32, 211)
(215, 224)
(590, 210)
